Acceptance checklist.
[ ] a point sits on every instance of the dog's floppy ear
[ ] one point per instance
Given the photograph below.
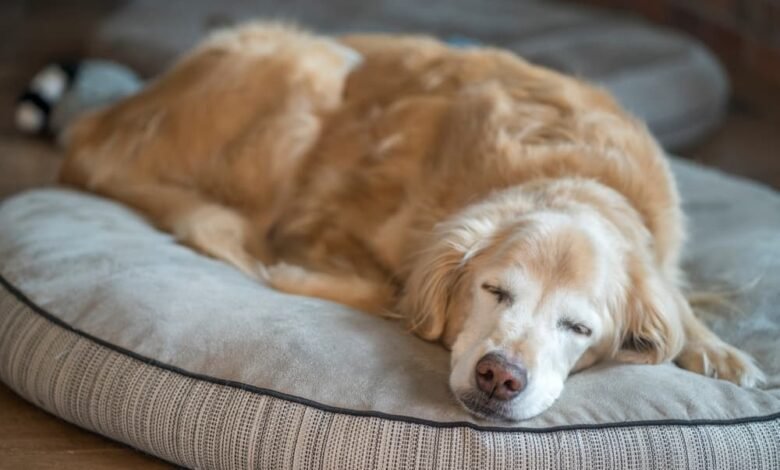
(650, 327)
(432, 303)
(427, 302)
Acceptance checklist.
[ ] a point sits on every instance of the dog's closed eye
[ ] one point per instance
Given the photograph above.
(502, 295)
(574, 327)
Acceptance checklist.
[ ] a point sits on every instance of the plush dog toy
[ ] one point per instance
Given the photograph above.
(63, 90)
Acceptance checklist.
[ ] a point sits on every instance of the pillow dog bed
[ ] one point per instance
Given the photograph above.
(111, 325)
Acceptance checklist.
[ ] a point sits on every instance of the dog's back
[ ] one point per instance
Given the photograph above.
(261, 132)
(426, 129)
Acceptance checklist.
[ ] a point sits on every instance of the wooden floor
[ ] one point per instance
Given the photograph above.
(32, 439)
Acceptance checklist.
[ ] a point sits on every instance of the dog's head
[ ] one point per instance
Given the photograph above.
(531, 285)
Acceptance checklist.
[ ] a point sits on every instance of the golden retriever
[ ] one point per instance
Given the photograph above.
(517, 215)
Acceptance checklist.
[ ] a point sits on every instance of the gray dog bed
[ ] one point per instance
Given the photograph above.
(111, 325)
(669, 80)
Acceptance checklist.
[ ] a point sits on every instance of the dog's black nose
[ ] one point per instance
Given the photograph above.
(500, 378)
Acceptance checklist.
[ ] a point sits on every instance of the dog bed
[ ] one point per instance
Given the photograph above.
(111, 325)
(668, 79)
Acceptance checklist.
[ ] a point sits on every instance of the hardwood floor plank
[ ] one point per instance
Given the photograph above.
(31, 438)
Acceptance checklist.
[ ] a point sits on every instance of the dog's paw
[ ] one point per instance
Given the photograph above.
(286, 277)
(721, 361)
(218, 232)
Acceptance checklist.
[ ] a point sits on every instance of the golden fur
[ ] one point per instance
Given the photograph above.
(388, 184)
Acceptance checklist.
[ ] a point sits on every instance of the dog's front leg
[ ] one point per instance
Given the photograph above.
(709, 355)
(362, 294)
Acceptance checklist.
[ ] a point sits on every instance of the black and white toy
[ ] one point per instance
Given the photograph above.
(64, 90)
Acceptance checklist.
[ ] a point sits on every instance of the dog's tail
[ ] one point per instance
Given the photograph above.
(62, 91)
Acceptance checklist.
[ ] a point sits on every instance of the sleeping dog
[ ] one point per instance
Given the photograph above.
(516, 215)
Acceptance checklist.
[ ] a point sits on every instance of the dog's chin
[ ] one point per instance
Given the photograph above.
(480, 404)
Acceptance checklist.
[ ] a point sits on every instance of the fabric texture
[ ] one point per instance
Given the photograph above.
(669, 80)
(204, 424)
(111, 325)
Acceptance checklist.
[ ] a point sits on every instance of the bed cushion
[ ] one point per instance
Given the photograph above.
(111, 325)
(669, 80)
